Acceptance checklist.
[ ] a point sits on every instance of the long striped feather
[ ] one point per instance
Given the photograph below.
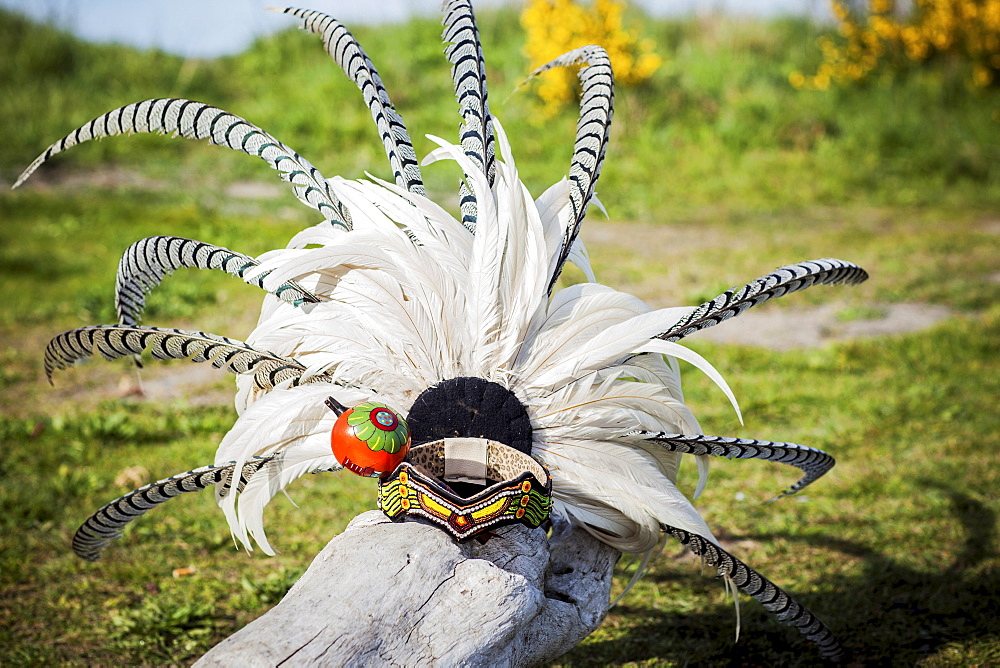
(147, 261)
(196, 120)
(107, 523)
(114, 341)
(468, 72)
(755, 585)
(348, 54)
(593, 129)
(812, 462)
(782, 281)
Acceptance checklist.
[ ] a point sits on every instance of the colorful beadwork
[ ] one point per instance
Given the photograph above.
(370, 439)
(412, 492)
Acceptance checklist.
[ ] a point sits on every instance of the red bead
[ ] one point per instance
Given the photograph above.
(370, 439)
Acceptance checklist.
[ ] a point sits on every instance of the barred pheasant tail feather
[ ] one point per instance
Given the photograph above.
(468, 72)
(772, 597)
(348, 54)
(593, 129)
(781, 281)
(195, 120)
(109, 521)
(113, 341)
(147, 261)
(811, 461)
(398, 298)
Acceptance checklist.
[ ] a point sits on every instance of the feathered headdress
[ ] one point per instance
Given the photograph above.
(393, 299)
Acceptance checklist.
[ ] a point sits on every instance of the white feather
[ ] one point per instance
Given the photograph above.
(554, 211)
(609, 344)
(281, 421)
(579, 256)
(622, 486)
(273, 479)
(696, 360)
(414, 298)
(576, 315)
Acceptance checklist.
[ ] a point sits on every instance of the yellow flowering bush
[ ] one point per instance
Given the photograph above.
(882, 36)
(554, 27)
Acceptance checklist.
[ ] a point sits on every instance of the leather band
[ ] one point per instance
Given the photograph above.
(519, 488)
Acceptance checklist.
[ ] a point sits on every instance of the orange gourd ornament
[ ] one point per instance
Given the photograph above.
(370, 439)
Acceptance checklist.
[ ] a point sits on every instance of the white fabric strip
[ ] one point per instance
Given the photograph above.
(465, 460)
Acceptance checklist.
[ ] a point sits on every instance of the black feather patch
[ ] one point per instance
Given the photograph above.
(470, 408)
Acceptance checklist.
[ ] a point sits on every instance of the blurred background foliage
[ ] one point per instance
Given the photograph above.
(718, 116)
(555, 27)
(882, 38)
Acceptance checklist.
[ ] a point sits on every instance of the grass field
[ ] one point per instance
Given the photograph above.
(718, 172)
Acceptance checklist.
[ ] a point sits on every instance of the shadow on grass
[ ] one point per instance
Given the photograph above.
(890, 614)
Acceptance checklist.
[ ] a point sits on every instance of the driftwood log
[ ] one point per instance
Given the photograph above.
(384, 593)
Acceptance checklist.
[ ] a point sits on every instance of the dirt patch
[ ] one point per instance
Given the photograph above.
(255, 190)
(195, 384)
(664, 265)
(767, 327)
(991, 226)
(50, 178)
(789, 328)
(24, 390)
(663, 282)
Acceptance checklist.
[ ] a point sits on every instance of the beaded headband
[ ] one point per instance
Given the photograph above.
(517, 488)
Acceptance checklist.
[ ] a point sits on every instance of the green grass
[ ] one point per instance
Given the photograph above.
(718, 172)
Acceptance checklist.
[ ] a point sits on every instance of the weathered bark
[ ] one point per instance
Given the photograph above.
(406, 594)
